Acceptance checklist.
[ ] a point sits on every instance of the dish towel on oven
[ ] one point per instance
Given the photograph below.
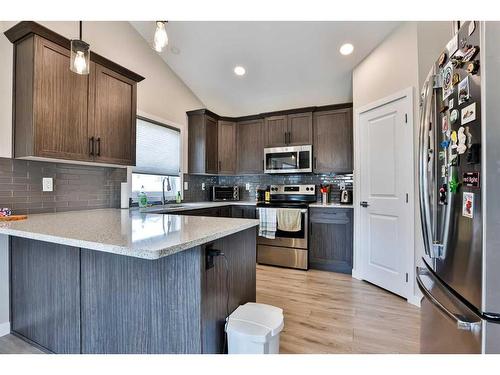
(267, 222)
(289, 219)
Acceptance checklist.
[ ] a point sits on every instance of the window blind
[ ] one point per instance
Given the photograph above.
(157, 149)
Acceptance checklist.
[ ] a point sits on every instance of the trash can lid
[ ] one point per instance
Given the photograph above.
(257, 320)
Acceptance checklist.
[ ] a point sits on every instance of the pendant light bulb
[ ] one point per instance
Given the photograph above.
(80, 55)
(80, 64)
(160, 39)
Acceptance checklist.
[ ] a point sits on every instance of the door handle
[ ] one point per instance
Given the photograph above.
(289, 138)
(91, 146)
(220, 165)
(98, 153)
(364, 204)
(315, 163)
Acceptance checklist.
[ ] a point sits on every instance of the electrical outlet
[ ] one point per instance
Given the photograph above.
(47, 184)
(186, 186)
(247, 186)
(202, 186)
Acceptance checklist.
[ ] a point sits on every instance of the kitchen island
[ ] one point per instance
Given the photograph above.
(120, 281)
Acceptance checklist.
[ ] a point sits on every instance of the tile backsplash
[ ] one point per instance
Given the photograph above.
(76, 187)
(194, 193)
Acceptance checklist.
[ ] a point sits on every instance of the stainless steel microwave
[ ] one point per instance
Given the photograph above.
(225, 193)
(293, 159)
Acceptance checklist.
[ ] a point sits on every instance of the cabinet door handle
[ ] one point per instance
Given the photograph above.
(364, 204)
(98, 146)
(315, 163)
(220, 165)
(285, 136)
(289, 138)
(91, 146)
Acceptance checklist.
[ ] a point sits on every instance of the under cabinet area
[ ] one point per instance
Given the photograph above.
(331, 239)
(59, 114)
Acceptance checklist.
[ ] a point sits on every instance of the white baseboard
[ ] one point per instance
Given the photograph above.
(356, 274)
(4, 328)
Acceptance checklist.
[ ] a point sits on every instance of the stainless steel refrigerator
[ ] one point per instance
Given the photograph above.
(459, 170)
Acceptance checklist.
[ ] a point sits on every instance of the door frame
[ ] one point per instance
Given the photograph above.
(358, 272)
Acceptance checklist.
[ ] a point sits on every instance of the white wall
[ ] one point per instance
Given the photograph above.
(402, 60)
(161, 95)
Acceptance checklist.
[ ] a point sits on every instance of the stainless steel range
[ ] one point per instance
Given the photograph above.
(288, 249)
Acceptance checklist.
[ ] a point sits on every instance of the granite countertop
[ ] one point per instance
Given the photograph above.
(126, 232)
(330, 205)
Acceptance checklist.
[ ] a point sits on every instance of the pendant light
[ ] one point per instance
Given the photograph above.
(160, 39)
(80, 55)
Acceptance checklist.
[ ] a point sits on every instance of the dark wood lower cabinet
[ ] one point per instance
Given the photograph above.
(71, 300)
(331, 239)
(45, 294)
(243, 212)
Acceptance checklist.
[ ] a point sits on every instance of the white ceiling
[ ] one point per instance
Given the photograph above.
(288, 64)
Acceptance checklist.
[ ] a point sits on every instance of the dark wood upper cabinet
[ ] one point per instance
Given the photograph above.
(235, 145)
(63, 115)
(202, 144)
(300, 129)
(250, 146)
(114, 117)
(332, 141)
(227, 147)
(292, 129)
(276, 130)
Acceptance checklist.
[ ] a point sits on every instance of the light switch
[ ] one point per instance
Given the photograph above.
(186, 185)
(202, 186)
(47, 184)
(247, 186)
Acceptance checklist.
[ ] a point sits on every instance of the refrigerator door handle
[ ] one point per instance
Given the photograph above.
(462, 322)
(423, 165)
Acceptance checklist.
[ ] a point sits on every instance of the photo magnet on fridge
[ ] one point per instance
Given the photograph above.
(447, 80)
(468, 205)
(468, 113)
(451, 103)
(463, 90)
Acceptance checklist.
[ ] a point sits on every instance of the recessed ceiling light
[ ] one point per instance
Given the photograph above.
(239, 70)
(346, 49)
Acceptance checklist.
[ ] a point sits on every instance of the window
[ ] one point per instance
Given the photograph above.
(157, 159)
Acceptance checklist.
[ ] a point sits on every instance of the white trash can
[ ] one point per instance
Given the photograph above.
(254, 328)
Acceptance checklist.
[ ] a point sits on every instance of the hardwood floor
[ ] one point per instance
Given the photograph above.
(11, 344)
(333, 313)
(325, 312)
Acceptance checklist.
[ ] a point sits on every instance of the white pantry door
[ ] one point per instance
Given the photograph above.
(385, 186)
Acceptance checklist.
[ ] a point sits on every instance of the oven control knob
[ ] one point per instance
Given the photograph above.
(307, 189)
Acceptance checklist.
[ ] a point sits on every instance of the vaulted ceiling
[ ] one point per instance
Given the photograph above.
(288, 64)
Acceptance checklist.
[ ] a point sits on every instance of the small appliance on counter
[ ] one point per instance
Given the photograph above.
(346, 196)
(224, 193)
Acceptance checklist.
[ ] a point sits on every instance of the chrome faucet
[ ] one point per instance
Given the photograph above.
(164, 201)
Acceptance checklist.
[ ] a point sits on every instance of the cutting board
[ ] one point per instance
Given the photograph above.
(13, 217)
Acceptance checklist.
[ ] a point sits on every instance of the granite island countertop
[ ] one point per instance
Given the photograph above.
(132, 233)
